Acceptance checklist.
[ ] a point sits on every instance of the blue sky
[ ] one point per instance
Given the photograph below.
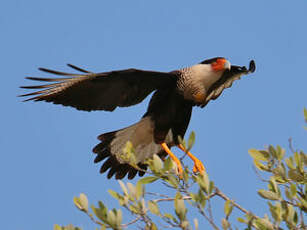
(46, 154)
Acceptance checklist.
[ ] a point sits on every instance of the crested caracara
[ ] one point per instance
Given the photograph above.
(167, 116)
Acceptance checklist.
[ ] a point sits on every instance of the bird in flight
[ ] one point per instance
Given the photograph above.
(167, 116)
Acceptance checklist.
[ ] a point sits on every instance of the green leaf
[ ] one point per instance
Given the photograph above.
(102, 206)
(168, 164)
(203, 181)
(134, 209)
(180, 208)
(259, 155)
(302, 162)
(211, 187)
(273, 152)
(57, 227)
(268, 194)
(170, 216)
(196, 223)
(228, 206)
(84, 201)
(122, 185)
(194, 197)
(185, 224)
(151, 226)
(153, 208)
(172, 180)
(81, 202)
(77, 203)
(273, 185)
(148, 180)
(101, 211)
(139, 190)
(191, 140)
(132, 190)
(288, 194)
(114, 194)
(297, 158)
(182, 141)
(70, 227)
(241, 220)
(303, 203)
(304, 157)
(280, 171)
(275, 211)
(280, 152)
(111, 219)
(128, 153)
(202, 198)
(293, 190)
(157, 163)
(264, 224)
(296, 176)
(290, 163)
(98, 213)
(305, 114)
(260, 166)
(119, 217)
(128, 147)
(291, 217)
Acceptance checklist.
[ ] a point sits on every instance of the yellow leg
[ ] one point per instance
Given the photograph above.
(172, 155)
(198, 166)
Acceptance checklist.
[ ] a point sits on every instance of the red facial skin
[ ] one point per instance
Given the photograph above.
(219, 64)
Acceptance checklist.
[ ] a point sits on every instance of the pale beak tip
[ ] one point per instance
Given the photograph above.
(227, 65)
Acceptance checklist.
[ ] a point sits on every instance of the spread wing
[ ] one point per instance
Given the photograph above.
(98, 91)
(227, 79)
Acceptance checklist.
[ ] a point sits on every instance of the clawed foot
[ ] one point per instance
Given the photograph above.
(179, 168)
(198, 166)
(174, 158)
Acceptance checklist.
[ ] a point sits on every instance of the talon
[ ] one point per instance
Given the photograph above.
(174, 158)
(198, 165)
(179, 169)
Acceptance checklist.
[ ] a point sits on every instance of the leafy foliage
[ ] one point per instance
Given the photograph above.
(285, 195)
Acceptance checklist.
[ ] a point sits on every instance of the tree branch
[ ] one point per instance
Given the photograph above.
(223, 196)
(131, 222)
(206, 217)
(171, 199)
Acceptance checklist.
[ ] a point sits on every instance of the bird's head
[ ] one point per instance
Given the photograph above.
(218, 64)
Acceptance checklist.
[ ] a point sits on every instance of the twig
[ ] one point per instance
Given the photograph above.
(206, 217)
(93, 219)
(183, 156)
(210, 210)
(223, 196)
(291, 145)
(169, 222)
(131, 222)
(157, 194)
(172, 199)
(259, 176)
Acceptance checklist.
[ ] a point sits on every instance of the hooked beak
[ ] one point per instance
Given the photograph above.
(227, 65)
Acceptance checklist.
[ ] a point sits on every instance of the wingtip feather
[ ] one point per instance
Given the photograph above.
(57, 72)
(252, 66)
(78, 68)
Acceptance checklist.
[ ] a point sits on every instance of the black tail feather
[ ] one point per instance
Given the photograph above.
(120, 170)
